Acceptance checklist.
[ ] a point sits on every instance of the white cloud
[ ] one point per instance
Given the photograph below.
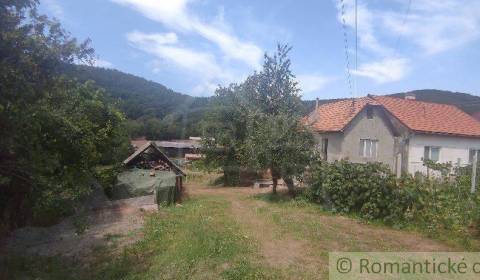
(152, 38)
(167, 50)
(174, 14)
(366, 23)
(165, 46)
(437, 26)
(434, 26)
(431, 26)
(386, 70)
(312, 82)
(102, 63)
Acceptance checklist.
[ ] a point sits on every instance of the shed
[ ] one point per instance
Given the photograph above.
(149, 158)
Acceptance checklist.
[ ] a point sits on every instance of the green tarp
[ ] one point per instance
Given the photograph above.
(137, 182)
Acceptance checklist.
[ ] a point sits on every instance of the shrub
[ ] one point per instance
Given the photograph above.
(107, 177)
(368, 189)
(435, 205)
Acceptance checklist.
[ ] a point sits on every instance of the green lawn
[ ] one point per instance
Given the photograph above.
(228, 233)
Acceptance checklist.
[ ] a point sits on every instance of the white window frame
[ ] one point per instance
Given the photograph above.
(369, 151)
(429, 157)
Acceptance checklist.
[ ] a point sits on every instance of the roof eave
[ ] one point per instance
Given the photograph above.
(446, 134)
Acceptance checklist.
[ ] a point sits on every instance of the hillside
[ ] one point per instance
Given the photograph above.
(467, 102)
(140, 97)
(158, 112)
(153, 110)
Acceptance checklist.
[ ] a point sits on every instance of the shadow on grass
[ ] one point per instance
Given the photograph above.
(275, 198)
(301, 196)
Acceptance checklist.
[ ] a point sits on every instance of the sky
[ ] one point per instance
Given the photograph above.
(192, 46)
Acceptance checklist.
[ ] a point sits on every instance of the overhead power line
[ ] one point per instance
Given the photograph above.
(405, 16)
(356, 46)
(345, 39)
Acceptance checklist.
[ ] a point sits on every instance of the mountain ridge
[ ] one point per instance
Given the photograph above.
(156, 111)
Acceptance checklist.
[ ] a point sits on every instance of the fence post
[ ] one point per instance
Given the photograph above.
(474, 172)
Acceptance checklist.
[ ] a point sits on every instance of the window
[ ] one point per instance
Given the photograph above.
(368, 148)
(369, 113)
(324, 148)
(431, 153)
(471, 156)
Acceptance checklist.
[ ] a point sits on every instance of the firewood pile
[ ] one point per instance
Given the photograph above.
(154, 165)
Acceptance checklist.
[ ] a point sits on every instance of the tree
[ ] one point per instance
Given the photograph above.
(53, 130)
(224, 131)
(281, 144)
(276, 139)
(256, 124)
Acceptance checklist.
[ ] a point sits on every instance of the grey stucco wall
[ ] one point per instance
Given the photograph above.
(363, 128)
(346, 145)
(334, 150)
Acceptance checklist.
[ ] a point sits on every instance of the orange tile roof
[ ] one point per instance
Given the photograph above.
(416, 115)
(336, 115)
(434, 118)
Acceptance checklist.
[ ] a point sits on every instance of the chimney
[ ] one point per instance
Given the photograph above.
(410, 96)
(316, 104)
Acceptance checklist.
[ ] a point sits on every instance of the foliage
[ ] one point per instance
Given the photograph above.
(53, 130)
(437, 206)
(443, 168)
(153, 110)
(256, 125)
(106, 176)
(369, 189)
(225, 132)
(280, 143)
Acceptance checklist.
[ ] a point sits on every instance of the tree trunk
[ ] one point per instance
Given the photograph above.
(275, 182)
(290, 186)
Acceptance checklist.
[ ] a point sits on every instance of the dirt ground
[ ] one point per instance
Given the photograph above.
(117, 221)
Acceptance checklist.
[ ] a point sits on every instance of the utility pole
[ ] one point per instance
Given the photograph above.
(474, 172)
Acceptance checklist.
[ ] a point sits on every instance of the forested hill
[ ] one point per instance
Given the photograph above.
(158, 112)
(152, 109)
(467, 102)
(141, 97)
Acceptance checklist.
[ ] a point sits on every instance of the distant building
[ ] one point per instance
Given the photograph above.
(398, 132)
(179, 148)
(138, 142)
(174, 148)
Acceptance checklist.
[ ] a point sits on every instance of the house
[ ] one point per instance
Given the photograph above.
(399, 132)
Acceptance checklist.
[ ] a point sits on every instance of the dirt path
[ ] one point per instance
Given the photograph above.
(115, 223)
(277, 250)
(300, 238)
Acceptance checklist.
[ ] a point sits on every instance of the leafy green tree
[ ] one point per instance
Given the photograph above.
(281, 144)
(225, 131)
(53, 130)
(274, 90)
(256, 125)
